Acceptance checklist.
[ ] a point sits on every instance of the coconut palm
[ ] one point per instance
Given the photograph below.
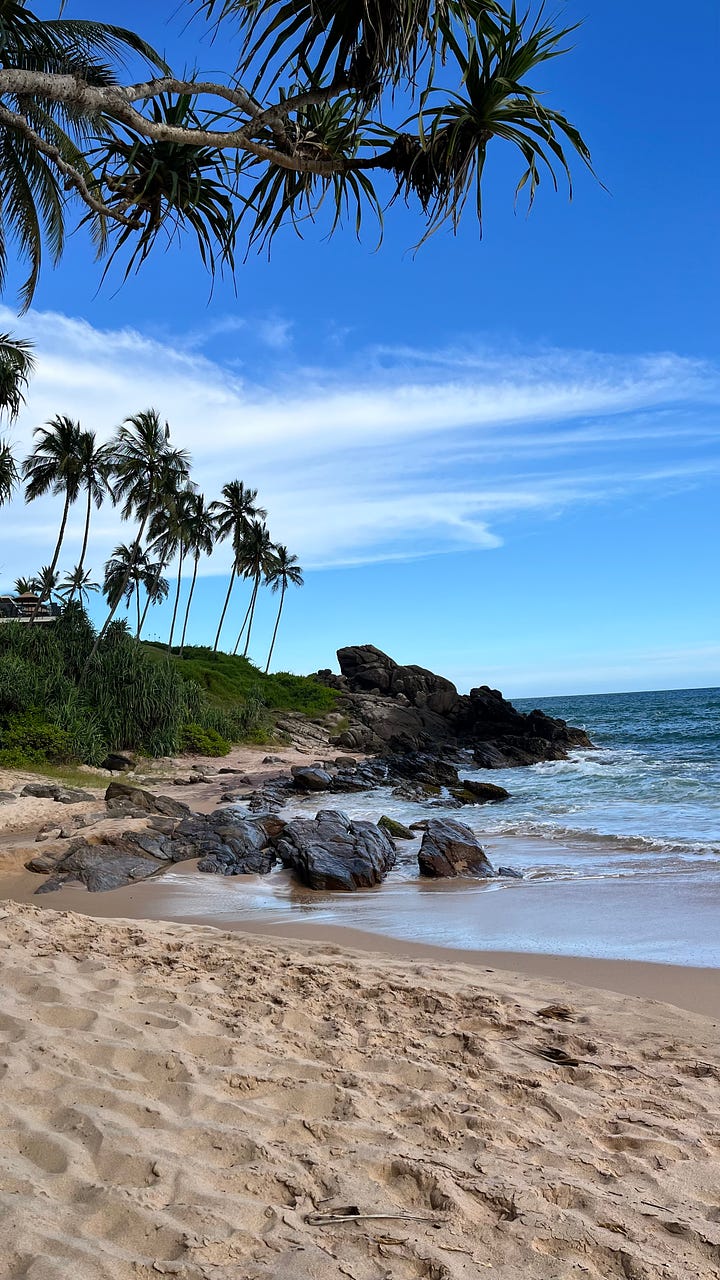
(233, 514)
(17, 363)
(256, 560)
(95, 467)
(54, 467)
(23, 586)
(126, 573)
(169, 532)
(44, 584)
(284, 572)
(143, 466)
(77, 583)
(9, 474)
(200, 534)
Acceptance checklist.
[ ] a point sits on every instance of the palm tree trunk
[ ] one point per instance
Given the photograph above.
(222, 615)
(137, 608)
(252, 613)
(86, 535)
(277, 624)
(121, 592)
(187, 608)
(177, 598)
(45, 592)
(247, 615)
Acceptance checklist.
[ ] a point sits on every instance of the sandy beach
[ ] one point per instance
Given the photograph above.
(178, 1100)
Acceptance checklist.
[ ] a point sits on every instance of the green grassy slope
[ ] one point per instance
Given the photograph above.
(231, 681)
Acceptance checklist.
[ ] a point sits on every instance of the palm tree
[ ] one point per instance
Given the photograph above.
(126, 572)
(17, 363)
(169, 531)
(9, 474)
(54, 467)
(44, 584)
(285, 571)
(77, 583)
(200, 534)
(143, 465)
(233, 514)
(23, 586)
(95, 479)
(256, 559)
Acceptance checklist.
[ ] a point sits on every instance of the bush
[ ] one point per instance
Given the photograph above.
(202, 742)
(30, 739)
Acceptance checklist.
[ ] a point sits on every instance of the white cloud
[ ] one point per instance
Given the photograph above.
(395, 455)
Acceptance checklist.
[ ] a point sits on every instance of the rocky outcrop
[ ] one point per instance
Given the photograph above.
(331, 852)
(121, 798)
(409, 709)
(450, 848)
(472, 792)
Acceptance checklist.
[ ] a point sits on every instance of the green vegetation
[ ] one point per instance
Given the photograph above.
(61, 706)
(231, 681)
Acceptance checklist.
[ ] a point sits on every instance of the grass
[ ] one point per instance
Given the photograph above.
(231, 681)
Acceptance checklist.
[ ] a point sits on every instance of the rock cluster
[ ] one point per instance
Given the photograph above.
(407, 708)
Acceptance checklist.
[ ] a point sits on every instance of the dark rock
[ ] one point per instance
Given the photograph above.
(41, 790)
(311, 778)
(451, 849)
(366, 668)
(7, 797)
(73, 795)
(104, 866)
(395, 830)
(41, 864)
(346, 762)
(227, 843)
(331, 852)
(120, 798)
(510, 873)
(119, 761)
(471, 792)
(57, 881)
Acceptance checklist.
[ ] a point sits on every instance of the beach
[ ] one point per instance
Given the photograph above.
(219, 1077)
(181, 1100)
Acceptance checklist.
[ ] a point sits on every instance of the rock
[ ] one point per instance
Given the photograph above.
(227, 842)
(451, 849)
(346, 762)
(7, 797)
(395, 830)
(366, 668)
(42, 864)
(122, 798)
(119, 761)
(331, 852)
(471, 792)
(311, 778)
(104, 866)
(510, 873)
(73, 795)
(41, 790)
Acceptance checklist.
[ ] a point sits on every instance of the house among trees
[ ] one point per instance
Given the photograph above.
(27, 607)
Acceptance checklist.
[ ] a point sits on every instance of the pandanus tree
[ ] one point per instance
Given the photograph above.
(143, 465)
(256, 561)
(54, 467)
(285, 572)
(307, 113)
(233, 515)
(200, 534)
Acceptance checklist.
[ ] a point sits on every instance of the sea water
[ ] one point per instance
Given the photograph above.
(619, 847)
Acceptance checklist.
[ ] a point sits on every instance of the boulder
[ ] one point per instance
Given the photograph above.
(119, 762)
(331, 852)
(7, 797)
(311, 778)
(394, 829)
(227, 843)
(471, 792)
(73, 795)
(122, 798)
(101, 866)
(41, 790)
(366, 668)
(451, 849)
(510, 873)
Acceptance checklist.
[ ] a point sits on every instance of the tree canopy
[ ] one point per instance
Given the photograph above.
(353, 104)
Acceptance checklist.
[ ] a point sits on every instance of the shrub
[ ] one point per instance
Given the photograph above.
(202, 742)
(29, 738)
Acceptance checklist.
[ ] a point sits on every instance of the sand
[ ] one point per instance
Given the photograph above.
(179, 1100)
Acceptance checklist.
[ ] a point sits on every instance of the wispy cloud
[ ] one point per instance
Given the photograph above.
(392, 454)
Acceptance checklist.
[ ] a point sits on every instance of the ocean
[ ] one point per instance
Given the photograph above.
(619, 848)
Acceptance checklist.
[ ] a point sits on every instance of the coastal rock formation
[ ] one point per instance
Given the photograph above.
(409, 709)
(331, 852)
(450, 848)
(471, 792)
(121, 798)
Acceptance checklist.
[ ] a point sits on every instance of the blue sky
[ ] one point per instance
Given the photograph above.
(496, 458)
